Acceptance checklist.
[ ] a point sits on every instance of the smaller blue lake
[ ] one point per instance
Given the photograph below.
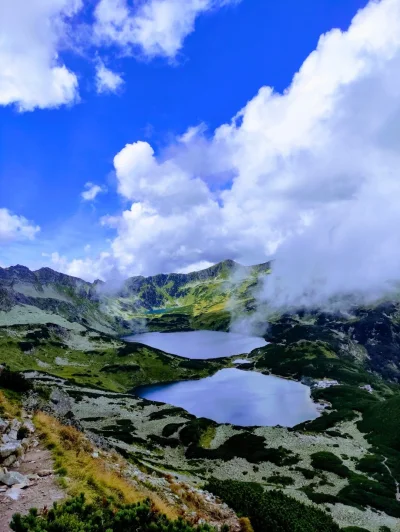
(244, 398)
(200, 344)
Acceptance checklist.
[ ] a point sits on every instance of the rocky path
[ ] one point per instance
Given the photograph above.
(26, 472)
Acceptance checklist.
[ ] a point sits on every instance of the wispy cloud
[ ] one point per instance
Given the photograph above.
(155, 28)
(92, 191)
(107, 80)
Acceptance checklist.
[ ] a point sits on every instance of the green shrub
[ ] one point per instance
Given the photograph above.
(327, 461)
(320, 498)
(12, 380)
(245, 445)
(372, 464)
(76, 515)
(170, 429)
(61, 471)
(271, 511)
(307, 473)
(363, 492)
(382, 422)
(193, 430)
(280, 479)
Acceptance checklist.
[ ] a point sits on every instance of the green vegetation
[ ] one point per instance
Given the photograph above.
(13, 381)
(363, 492)
(327, 461)
(282, 480)
(360, 491)
(271, 510)
(171, 428)
(315, 359)
(382, 423)
(192, 432)
(244, 445)
(355, 529)
(115, 365)
(169, 412)
(373, 466)
(76, 515)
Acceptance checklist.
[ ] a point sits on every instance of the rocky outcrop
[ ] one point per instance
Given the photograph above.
(16, 438)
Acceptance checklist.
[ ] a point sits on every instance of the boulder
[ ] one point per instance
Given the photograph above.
(28, 425)
(3, 425)
(9, 461)
(10, 478)
(45, 472)
(10, 448)
(12, 434)
(14, 428)
(14, 493)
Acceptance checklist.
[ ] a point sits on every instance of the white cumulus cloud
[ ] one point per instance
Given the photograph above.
(15, 228)
(310, 176)
(156, 27)
(34, 33)
(32, 74)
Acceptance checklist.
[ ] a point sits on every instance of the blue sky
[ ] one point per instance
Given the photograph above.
(48, 153)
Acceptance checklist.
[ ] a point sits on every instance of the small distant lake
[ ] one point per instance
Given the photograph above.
(200, 344)
(244, 398)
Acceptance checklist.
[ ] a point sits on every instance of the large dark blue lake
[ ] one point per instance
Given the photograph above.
(200, 344)
(245, 398)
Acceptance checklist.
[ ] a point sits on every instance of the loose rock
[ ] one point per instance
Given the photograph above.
(9, 461)
(9, 448)
(10, 478)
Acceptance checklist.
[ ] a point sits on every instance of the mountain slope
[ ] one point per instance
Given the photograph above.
(55, 295)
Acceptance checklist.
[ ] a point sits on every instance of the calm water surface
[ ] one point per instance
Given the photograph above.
(200, 344)
(239, 397)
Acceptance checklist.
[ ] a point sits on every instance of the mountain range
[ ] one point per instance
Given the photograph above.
(195, 300)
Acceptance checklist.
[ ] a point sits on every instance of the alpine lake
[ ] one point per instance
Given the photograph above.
(235, 396)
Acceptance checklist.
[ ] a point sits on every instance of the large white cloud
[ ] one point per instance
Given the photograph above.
(31, 72)
(15, 228)
(156, 27)
(311, 176)
(34, 33)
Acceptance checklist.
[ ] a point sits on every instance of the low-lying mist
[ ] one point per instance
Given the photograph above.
(347, 256)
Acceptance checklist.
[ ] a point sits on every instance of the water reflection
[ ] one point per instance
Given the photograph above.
(239, 397)
(200, 344)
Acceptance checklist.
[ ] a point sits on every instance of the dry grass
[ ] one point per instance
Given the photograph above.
(82, 473)
(9, 408)
(245, 525)
(197, 503)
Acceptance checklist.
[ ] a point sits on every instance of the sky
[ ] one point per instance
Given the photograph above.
(147, 136)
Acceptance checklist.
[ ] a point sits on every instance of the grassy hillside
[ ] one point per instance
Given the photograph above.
(95, 359)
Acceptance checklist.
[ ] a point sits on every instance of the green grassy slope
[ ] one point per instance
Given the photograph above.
(95, 359)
